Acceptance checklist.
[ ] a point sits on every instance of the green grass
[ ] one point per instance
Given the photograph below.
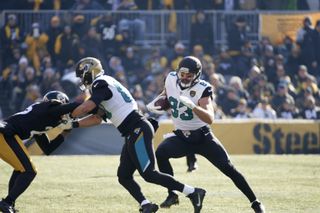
(78, 184)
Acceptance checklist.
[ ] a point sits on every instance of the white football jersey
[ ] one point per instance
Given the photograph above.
(182, 116)
(120, 105)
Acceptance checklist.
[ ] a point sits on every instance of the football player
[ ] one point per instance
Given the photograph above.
(116, 104)
(192, 113)
(33, 122)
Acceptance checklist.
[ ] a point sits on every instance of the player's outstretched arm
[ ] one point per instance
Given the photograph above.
(83, 109)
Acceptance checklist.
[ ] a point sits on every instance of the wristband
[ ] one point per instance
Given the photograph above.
(75, 124)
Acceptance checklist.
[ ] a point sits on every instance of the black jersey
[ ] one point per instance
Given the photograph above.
(37, 118)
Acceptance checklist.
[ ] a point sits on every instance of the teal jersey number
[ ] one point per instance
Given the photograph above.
(175, 105)
(126, 97)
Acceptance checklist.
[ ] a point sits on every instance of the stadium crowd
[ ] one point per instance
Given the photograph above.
(250, 80)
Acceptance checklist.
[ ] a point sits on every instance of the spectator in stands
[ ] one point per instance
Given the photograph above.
(316, 47)
(237, 36)
(133, 23)
(294, 61)
(133, 67)
(137, 94)
(288, 110)
(148, 5)
(305, 41)
(244, 61)
(201, 33)
(50, 81)
(264, 110)
(241, 111)
(281, 95)
(236, 83)
(179, 53)
(225, 64)
(117, 70)
(269, 63)
(230, 102)
(36, 41)
(155, 63)
(310, 110)
(32, 95)
(11, 37)
(204, 58)
(87, 5)
(65, 46)
(302, 78)
(266, 88)
(53, 31)
(218, 82)
(79, 25)
(109, 36)
(92, 43)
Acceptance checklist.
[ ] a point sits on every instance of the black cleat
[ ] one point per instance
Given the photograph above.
(192, 167)
(258, 207)
(172, 199)
(6, 208)
(197, 198)
(149, 208)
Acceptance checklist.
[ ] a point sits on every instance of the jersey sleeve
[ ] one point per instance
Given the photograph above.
(100, 92)
(208, 92)
(59, 109)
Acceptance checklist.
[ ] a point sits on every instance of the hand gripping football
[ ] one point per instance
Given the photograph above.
(162, 102)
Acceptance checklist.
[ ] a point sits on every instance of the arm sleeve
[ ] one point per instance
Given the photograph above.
(62, 109)
(208, 92)
(46, 146)
(100, 92)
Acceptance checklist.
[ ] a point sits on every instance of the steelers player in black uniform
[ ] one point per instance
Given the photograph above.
(33, 122)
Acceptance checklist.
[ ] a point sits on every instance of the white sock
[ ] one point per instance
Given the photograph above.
(144, 202)
(187, 189)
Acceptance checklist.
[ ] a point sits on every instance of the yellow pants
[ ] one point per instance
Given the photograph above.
(13, 151)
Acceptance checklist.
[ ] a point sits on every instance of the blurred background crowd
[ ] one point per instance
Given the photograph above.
(252, 79)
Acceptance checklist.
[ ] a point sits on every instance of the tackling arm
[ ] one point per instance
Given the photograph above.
(83, 109)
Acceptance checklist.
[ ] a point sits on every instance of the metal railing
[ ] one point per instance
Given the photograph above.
(156, 23)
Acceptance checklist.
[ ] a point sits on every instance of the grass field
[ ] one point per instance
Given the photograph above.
(89, 184)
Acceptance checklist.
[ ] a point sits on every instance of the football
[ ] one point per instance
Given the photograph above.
(163, 102)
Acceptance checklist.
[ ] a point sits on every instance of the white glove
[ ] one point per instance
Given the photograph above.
(65, 125)
(187, 102)
(155, 109)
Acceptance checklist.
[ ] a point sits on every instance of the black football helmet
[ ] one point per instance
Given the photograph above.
(56, 96)
(189, 64)
(88, 69)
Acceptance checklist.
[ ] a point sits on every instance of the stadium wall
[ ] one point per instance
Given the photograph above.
(238, 137)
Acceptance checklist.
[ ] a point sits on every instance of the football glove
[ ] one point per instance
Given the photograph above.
(155, 109)
(65, 124)
(187, 102)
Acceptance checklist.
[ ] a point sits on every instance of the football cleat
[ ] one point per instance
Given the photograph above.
(192, 166)
(149, 208)
(6, 208)
(197, 198)
(258, 207)
(172, 199)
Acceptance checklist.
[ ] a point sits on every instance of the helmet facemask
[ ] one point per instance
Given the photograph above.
(188, 65)
(87, 70)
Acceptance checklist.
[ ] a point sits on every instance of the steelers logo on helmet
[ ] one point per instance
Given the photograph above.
(88, 69)
(189, 71)
(56, 96)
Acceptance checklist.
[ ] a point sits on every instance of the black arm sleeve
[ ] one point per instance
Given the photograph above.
(46, 146)
(100, 92)
(207, 92)
(63, 109)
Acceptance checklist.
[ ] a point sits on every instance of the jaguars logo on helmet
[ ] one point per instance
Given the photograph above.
(189, 64)
(56, 96)
(88, 69)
